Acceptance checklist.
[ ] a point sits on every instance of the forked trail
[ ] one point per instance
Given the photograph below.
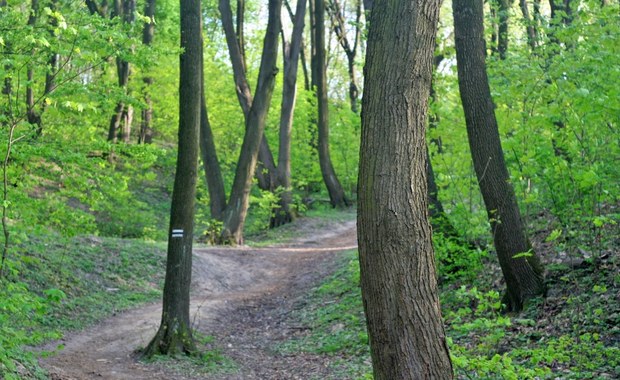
(241, 296)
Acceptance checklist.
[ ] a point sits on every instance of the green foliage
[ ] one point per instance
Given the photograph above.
(456, 259)
(570, 334)
(21, 314)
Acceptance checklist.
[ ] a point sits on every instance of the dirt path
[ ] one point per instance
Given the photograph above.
(241, 296)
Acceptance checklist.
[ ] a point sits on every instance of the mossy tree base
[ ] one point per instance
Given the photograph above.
(172, 339)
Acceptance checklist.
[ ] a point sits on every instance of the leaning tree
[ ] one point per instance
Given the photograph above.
(520, 265)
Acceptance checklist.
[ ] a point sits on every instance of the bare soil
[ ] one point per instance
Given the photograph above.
(241, 296)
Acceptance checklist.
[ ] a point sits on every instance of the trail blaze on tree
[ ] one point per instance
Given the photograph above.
(174, 334)
(397, 263)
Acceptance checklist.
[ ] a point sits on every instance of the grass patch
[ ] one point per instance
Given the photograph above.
(208, 360)
(55, 283)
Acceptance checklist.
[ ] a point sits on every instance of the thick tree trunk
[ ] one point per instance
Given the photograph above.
(398, 278)
(523, 274)
(283, 214)
(148, 32)
(334, 188)
(174, 335)
(236, 210)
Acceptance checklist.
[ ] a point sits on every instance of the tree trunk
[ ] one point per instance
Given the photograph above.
(523, 274)
(530, 25)
(148, 32)
(336, 192)
(122, 115)
(336, 12)
(32, 115)
(174, 335)
(398, 278)
(283, 214)
(502, 29)
(213, 173)
(265, 172)
(236, 210)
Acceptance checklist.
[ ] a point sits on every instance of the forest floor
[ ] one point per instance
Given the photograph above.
(241, 300)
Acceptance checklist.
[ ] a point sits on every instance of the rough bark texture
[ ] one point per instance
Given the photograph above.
(174, 334)
(283, 214)
(523, 275)
(148, 32)
(236, 210)
(398, 277)
(336, 192)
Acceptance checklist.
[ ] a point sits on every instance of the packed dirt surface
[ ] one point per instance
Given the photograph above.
(241, 296)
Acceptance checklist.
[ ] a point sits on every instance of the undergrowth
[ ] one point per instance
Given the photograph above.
(54, 284)
(573, 333)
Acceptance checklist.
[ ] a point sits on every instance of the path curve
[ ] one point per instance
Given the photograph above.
(241, 296)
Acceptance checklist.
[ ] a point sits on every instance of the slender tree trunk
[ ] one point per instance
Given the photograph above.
(530, 25)
(123, 114)
(213, 173)
(265, 172)
(175, 335)
(336, 192)
(336, 12)
(236, 210)
(32, 115)
(148, 32)
(283, 213)
(398, 277)
(502, 37)
(523, 274)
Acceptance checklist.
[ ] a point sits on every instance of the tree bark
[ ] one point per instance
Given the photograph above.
(398, 277)
(236, 210)
(523, 275)
(213, 173)
(265, 172)
(174, 335)
(334, 188)
(283, 214)
(148, 32)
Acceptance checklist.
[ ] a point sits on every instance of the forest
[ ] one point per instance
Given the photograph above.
(315, 189)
